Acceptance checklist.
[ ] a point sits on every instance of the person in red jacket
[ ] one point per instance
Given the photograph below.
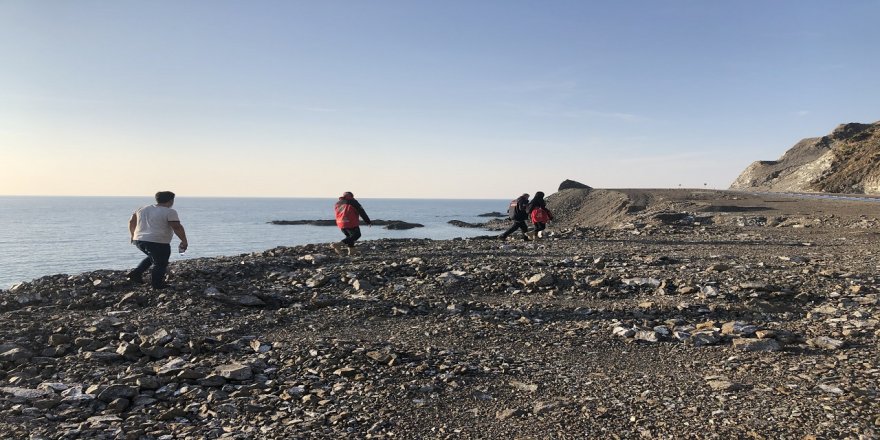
(348, 210)
(539, 214)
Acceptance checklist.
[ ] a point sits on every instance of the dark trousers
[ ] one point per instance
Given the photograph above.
(540, 227)
(517, 224)
(157, 256)
(351, 236)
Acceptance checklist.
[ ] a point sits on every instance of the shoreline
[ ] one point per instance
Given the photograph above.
(176, 259)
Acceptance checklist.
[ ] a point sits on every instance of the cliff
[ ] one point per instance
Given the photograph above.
(845, 161)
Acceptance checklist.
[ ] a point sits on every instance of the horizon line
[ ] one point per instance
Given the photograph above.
(334, 197)
(177, 196)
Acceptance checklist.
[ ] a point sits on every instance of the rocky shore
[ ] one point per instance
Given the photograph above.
(658, 327)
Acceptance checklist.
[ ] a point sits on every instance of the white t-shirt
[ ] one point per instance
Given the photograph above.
(152, 224)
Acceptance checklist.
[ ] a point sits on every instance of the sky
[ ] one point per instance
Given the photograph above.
(419, 99)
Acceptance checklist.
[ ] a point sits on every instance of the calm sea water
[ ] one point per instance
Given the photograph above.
(50, 235)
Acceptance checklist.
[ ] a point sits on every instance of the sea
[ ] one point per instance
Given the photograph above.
(69, 235)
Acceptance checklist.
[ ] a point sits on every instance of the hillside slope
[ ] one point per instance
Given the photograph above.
(845, 161)
(622, 208)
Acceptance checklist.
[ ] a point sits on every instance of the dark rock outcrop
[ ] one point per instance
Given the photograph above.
(398, 225)
(462, 224)
(571, 184)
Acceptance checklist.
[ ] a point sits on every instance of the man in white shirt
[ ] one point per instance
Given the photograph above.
(151, 228)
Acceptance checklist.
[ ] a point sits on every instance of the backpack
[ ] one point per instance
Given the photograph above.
(511, 210)
(540, 215)
(346, 216)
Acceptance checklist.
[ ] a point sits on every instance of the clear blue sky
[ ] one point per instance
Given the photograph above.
(419, 98)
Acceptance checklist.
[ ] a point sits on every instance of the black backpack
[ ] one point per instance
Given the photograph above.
(512, 209)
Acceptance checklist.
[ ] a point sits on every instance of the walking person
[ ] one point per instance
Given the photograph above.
(151, 229)
(348, 211)
(517, 211)
(539, 215)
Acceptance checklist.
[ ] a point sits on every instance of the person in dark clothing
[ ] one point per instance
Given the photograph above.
(539, 214)
(348, 211)
(517, 212)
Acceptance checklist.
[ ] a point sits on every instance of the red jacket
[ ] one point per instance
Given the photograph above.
(348, 209)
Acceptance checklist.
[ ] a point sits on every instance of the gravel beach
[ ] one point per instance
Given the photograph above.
(663, 314)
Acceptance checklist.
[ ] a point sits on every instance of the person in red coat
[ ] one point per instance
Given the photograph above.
(539, 214)
(348, 212)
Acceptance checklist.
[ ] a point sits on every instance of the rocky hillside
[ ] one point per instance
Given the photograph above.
(845, 161)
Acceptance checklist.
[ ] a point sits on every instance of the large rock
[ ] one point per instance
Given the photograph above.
(738, 328)
(571, 184)
(172, 367)
(234, 372)
(402, 225)
(705, 337)
(114, 392)
(826, 343)
(16, 355)
(59, 339)
(541, 280)
(102, 356)
(462, 224)
(646, 336)
(744, 344)
(159, 336)
(25, 393)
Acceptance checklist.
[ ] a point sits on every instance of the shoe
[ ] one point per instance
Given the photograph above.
(353, 251)
(337, 247)
(540, 234)
(134, 278)
(530, 235)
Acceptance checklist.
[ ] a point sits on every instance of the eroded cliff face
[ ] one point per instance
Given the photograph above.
(845, 161)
